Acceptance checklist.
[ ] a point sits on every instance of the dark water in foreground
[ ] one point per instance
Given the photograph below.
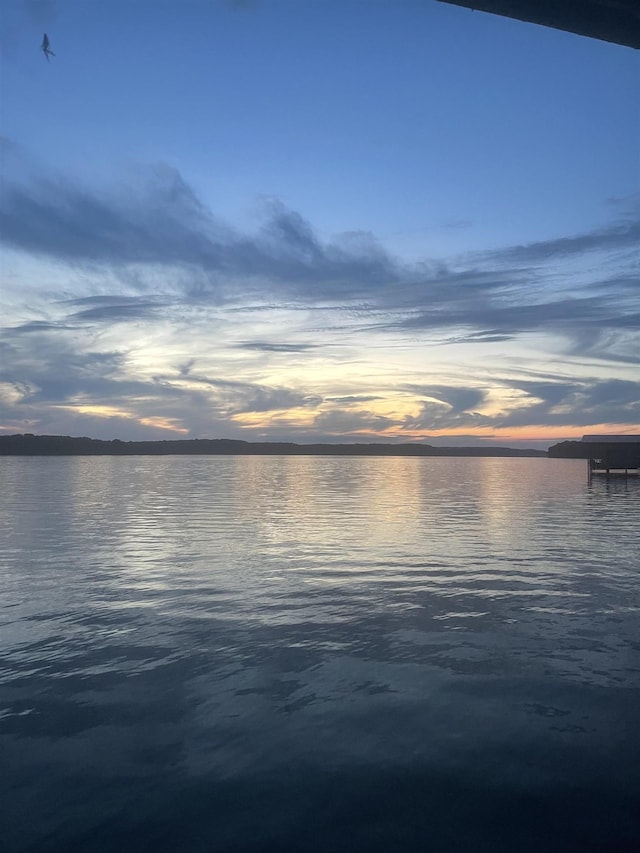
(318, 654)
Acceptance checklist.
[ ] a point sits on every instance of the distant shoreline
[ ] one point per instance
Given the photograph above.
(64, 445)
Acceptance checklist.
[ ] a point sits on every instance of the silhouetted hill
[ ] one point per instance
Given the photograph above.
(569, 450)
(64, 445)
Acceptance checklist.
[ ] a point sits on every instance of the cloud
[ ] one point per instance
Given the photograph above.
(164, 315)
(619, 236)
(585, 322)
(52, 374)
(264, 346)
(437, 416)
(56, 371)
(486, 336)
(265, 399)
(582, 402)
(35, 326)
(161, 222)
(109, 309)
(340, 422)
(355, 398)
(458, 399)
(158, 221)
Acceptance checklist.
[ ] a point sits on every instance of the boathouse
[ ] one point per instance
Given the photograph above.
(613, 455)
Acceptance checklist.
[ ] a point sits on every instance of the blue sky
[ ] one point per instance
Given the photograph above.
(308, 220)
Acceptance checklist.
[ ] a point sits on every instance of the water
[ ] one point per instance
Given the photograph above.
(318, 654)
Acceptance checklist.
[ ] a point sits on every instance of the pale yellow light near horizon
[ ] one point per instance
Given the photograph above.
(345, 371)
(107, 412)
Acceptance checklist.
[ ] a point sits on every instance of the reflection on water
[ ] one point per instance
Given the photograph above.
(318, 653)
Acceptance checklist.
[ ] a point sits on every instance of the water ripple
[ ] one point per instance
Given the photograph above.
(166, 620)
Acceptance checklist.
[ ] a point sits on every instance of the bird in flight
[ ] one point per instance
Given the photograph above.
(45, 47)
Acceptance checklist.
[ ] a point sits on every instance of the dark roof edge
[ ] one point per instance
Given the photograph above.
(616, 21)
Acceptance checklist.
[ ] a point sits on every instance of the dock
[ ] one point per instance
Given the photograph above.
(612, 455)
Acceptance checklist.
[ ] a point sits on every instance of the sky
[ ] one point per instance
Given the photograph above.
(316, 220)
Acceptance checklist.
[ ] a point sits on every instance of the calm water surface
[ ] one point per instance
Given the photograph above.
(318, 654)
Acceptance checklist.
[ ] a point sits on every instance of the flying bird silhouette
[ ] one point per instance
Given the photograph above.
(45, 47)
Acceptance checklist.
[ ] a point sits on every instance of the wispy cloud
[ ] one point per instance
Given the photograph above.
(162, 222)
(457, 399)
(171, 314)
(264, 346)
(622, 235)
(587, 401)
(110, 309)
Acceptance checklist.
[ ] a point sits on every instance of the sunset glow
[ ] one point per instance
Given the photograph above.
(415, 244)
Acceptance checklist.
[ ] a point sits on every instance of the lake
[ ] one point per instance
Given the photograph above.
(318, 654)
